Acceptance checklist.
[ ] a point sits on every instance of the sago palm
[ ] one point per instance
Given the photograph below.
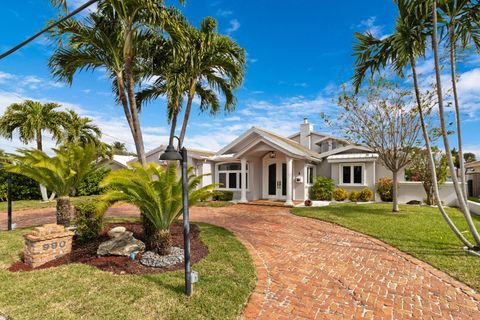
(31, 119)
(157, 192)
(402, 48)
(60, 173)
(80, 130)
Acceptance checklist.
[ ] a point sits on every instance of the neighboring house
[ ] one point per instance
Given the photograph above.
(119, 162)
(260, 164)
(473, 177)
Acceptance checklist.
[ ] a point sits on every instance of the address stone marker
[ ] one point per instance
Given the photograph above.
(47, 243)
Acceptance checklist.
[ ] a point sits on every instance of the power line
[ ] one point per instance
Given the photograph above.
(48, 28)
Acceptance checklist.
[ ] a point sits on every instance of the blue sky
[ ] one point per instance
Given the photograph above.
(298, 54)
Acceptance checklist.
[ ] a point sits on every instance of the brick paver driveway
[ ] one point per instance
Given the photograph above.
(315, 270)
(312, 269)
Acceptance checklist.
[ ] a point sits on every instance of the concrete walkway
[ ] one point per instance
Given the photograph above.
(308, 269)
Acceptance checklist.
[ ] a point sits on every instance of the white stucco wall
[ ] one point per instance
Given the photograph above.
(299, 189)
(474, 207)
(409, 190)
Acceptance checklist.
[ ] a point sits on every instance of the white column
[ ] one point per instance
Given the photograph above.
(289, 201)
(243, 196)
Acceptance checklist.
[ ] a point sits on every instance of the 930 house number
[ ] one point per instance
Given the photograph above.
(53, 245)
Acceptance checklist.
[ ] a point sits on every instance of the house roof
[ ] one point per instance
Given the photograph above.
(343, 149)
(472, 164)
(331, 137)
(123, 160)
(311, 132)
(352, 157)
(282, 142)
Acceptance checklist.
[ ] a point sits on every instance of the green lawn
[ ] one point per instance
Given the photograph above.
(227, 277)
(474, 199)
(418, 230)
(37, 204)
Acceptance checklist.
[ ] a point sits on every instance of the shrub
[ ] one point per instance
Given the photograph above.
(340, 194)
(221, 195)
(90, 185)
(23, 188)
(365, 195)
(322, 189)
(89, 220)
(354, 196)
(385, 189)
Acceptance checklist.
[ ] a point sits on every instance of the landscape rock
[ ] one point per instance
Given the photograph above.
(122, 245)
(152, 259)
(414, 202)
(117, 231)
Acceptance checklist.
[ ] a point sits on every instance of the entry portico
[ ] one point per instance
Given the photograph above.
(267, 166)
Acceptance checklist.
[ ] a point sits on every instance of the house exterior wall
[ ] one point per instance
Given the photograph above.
(300, 190)
(369, 176)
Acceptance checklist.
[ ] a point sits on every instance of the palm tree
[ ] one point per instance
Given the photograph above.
(119, 148)
(401, 49)
(202, 63)
(113, 38)
(460, 19)
(80, 130)
(61, 173)
(32, 118)
(157, 192)
(462, 203)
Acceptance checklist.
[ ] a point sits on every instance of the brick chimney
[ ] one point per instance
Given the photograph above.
(305, 130)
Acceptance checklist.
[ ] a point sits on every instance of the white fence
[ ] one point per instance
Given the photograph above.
(409, 190)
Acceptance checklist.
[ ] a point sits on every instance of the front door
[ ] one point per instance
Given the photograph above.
(275, 180)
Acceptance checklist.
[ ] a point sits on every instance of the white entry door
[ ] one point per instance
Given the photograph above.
(275, 179)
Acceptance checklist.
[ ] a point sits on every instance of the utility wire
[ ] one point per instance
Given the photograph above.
(48, 28)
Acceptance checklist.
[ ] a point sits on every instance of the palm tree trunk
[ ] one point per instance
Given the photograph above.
(433, 169)
(172, 128)
(395, 192)
(453, 67)
(162, 242)
(134, 112)
(191, 95)
(63, 211)
(460, 199)
(123, 100)
(43, 190)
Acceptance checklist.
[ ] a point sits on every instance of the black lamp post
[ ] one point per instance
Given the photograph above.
(9, 200)
(171, 154)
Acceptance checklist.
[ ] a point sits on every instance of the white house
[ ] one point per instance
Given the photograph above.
(260, 164)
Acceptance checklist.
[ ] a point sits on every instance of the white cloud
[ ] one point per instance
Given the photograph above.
(234, 26)
(224, 13)
(369, 25)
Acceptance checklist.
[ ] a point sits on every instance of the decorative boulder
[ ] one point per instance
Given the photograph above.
(121, 245)
(414, 202)
(116, 232)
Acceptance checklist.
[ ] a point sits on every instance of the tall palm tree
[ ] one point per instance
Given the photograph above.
(461, 24)
(203, 63)
(31, 119)
(119, 148)
(401, 49)
(158, 194)
(80, 130)
(113, 38)
(459, 190)
(61, 173)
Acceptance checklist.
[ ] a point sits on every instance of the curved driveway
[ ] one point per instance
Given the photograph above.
(314, 270)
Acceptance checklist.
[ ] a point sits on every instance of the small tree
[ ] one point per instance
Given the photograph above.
(61, 173)
(419, 170)
(380, 116)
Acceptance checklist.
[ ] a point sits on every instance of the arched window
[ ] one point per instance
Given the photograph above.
(229, 176)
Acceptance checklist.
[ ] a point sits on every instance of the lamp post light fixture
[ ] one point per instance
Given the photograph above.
(171, 154)
(9, 201)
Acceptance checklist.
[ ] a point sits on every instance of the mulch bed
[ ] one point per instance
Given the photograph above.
(87, 252)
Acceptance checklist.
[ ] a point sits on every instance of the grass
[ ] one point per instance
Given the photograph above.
(37, 204)
(474, 199)
(418, 230)
(214, 204)
(227, 276)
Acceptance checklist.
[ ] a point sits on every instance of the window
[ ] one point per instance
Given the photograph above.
(310, 174)
(229, 176)
(352, 174)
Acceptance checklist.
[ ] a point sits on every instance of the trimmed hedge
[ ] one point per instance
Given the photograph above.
(221, 195)
(322, 189)
(90, 185)
(340, 194)
(366, 195)
(385, 189)
(354, 196)
(23, 188)
(88, 219)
